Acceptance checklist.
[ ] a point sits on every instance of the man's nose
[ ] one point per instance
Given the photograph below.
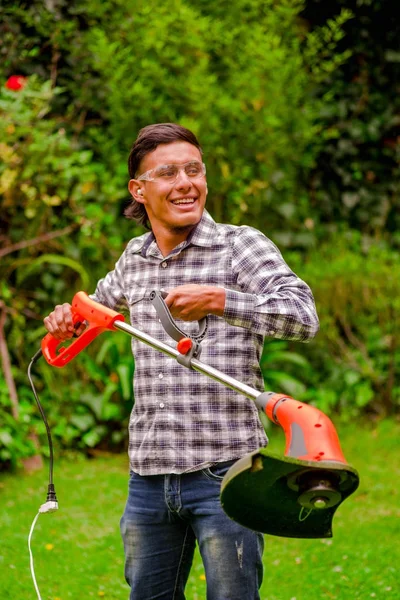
(183, 180)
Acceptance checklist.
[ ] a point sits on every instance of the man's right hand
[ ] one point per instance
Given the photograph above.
(60, 323)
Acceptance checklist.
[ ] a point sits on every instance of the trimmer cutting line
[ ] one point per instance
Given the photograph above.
(292, 496)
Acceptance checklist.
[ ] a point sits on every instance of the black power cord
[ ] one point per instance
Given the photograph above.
(51, 492)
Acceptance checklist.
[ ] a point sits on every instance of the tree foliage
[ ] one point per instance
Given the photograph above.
(353, 366)
(355, 182)
(239, 75)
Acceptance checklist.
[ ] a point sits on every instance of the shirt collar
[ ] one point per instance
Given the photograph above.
(204, 234)
(137, 244)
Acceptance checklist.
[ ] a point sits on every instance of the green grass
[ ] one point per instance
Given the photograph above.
(78, 553)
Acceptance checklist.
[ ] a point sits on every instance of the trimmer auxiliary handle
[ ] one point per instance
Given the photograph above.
(189, 347)
(312, 475)
(167, 321)
(99, 319)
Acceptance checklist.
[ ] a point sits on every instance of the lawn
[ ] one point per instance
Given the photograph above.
(78, 552)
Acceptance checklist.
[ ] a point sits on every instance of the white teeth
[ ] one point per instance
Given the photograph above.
(184, 201)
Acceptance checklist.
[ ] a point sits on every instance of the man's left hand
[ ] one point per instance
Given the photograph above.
(192, 302)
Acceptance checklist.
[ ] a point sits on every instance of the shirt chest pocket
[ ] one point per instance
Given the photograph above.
(143, 315)
(139, 304)
(136, 295)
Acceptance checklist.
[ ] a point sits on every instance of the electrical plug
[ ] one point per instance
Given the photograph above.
(51, 504)
(48, 507)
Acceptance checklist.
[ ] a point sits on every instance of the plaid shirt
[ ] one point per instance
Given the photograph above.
(182, 420)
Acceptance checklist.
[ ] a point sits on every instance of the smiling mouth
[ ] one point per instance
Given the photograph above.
(180, 201)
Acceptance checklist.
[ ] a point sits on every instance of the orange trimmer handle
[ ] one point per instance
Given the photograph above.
(99, 319)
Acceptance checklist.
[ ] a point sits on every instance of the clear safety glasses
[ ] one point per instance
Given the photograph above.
(169, 173)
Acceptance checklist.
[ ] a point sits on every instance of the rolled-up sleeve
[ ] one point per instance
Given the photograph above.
(269, 298)
(110, 290)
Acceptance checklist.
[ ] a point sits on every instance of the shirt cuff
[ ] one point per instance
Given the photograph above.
(239, 308)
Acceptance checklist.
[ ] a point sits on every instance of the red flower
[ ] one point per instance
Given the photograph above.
(15, 82)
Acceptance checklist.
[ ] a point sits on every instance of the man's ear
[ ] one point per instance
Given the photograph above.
(136, 190)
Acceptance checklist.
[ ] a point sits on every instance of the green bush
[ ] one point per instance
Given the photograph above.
(356, 177)
(243, 80)
(55, 233)
(87, 404)
(15, 440)
(355, 358)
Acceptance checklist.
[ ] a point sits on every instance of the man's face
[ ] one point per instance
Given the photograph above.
(174, 206)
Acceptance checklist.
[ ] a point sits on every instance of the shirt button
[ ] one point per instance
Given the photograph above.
(160, 376)
(164, 265)
(162, 404)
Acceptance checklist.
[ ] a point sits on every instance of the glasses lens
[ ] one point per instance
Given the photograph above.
(194, 169)
(169, 173)
(166, 172)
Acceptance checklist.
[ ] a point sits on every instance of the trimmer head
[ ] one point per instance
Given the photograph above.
(286, 496)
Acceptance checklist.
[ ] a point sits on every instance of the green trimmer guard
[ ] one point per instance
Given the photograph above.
(262, 491)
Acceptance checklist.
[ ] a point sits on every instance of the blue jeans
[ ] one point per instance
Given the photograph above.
(163, 518)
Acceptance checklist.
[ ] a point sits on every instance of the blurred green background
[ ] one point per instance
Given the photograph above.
(297, 107)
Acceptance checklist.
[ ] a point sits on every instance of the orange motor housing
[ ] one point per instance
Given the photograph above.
(309, 433)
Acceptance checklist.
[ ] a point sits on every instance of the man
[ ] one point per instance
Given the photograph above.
(187, 430)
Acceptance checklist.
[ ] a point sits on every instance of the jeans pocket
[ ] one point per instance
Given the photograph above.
(218, 471)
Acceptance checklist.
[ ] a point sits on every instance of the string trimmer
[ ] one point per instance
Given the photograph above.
(295, 495)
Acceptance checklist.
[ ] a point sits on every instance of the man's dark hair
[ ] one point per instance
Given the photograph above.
(149, 139)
